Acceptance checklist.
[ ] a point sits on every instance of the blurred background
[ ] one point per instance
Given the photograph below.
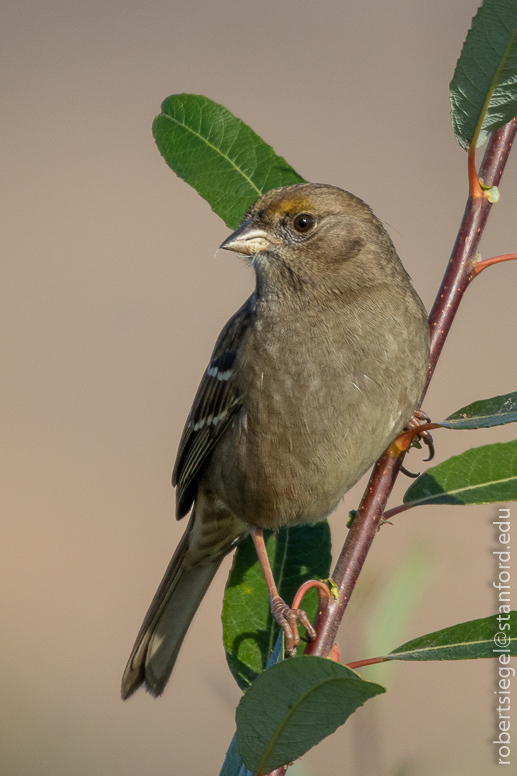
(111, 303)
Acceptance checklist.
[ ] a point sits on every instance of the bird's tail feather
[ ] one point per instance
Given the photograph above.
(167, 621)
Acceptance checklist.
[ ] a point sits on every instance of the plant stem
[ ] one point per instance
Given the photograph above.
(370, 662)
(479, 266)
(476, 191)
(454, 285)
(457, 275)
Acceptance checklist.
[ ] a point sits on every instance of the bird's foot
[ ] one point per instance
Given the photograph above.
(420, 418)
(288, 620)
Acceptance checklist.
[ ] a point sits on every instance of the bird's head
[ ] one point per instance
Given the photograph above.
(312, 235)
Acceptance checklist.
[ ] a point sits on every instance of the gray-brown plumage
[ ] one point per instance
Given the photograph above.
(308, 383)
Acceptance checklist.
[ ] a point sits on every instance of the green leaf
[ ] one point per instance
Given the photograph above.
(249, 629)
(482, 475)
(484, 413)
(293, 706)
(218, 154)
(469, 640)
(483, 91)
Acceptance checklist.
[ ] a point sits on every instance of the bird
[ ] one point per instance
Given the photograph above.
(309, 382)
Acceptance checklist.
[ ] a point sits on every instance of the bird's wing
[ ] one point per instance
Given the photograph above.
(216, 402)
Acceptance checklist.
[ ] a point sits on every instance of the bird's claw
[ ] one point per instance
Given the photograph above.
(419, 418)
(413, 475)
(288, 620)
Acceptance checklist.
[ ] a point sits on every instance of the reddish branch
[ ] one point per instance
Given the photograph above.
(479, 266)
(462, 268)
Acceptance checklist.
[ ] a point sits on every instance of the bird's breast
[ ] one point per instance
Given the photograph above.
(319, 407)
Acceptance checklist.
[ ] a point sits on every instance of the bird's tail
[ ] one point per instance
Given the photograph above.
(167, 621)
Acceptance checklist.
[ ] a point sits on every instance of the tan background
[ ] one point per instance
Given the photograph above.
(111, 302)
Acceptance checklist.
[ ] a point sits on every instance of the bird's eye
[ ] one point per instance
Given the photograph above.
(304, 222)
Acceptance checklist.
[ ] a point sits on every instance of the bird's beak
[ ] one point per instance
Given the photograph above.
(247, 239)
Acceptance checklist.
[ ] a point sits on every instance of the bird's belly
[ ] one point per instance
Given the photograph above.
(292, 461)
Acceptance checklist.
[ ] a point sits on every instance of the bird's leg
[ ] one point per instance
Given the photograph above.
(286, 617)
(417, 419)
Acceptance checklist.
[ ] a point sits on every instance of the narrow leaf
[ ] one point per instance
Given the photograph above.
(483, 91)
(484, 413)
(482, 475)
(249, 629)
(233, 765)
(293, 706)
(469, 640)
(218, 154)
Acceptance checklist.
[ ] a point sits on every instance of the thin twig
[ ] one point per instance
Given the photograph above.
(479, 266)
(370, 662)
